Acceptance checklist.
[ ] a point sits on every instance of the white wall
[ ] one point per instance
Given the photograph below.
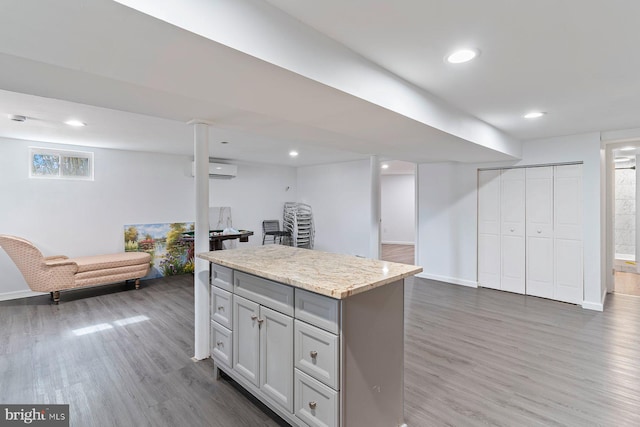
(447, 206)
(256, 194)
(77, 218)
(398, 208)
(447, 222)
(339, 195)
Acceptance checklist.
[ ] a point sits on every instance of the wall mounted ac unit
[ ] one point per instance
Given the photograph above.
(218, 170)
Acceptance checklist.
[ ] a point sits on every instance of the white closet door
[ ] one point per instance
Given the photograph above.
(489, 229)
(539, 214)
(568, 233)
(512, 199)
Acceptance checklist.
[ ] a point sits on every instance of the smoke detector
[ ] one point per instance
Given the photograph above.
(17, 118)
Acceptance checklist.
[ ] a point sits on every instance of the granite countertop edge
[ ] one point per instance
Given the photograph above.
(336, 292)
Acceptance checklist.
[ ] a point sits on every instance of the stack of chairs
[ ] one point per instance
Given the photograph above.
(298, 222)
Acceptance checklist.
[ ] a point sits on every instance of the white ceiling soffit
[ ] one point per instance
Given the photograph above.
(265, 32)
(106, 55)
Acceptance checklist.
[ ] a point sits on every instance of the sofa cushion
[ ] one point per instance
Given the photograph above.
(101, 262)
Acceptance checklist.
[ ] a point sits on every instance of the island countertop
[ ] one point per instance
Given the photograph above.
(335, 275)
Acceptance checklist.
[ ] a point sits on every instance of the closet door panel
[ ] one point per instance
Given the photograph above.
(489, 261)
(539, 267)
(489, 229)
(512, 211)
(513, 202)
(568, 202)
(539, 220)
(539, 201)
(513, 270)
(489, 202)
(568, 271)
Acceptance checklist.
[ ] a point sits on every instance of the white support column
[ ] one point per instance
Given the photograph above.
(376, 208)
(201, 238)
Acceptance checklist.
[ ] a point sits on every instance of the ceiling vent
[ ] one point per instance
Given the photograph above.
(218, 170)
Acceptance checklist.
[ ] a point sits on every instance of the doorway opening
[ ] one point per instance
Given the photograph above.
(626, 263)
(398, 212)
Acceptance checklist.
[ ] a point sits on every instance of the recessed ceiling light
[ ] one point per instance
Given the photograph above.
(385, 166)
(462, 55)
(534, 114)
(293, 153)
(75, 123)
(627, 148)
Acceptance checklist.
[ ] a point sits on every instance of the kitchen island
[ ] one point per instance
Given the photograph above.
(318, 337)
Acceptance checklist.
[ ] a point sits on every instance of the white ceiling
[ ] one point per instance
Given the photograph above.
(137, 80)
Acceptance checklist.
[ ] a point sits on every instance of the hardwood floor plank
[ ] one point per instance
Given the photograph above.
(473, 357)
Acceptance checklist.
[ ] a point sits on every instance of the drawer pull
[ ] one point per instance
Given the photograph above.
(313, 354)
(539, 231)
(512, 230)
(221, 308)
(219, 343)
(313, 405)
(254, 317)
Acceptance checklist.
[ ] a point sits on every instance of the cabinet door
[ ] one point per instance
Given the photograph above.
(512, 244)
(539, 214)
(276, 357)
(489, 229)
(247, 339)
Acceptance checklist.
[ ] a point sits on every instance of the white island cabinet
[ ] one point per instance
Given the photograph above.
(317, 337)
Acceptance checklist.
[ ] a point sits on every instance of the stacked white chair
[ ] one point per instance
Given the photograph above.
(298, 221)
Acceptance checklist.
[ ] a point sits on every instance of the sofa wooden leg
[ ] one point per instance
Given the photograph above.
(137, 283)
(55, 295)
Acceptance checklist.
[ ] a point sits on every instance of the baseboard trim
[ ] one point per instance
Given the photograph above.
(596, 306)
(393, 242)
(19, 294)
(452, 280)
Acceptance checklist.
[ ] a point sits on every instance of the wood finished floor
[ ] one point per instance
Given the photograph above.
(398, 253)
(627, 283)
(472, 357)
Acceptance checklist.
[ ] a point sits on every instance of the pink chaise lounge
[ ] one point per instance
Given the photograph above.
(56, 273)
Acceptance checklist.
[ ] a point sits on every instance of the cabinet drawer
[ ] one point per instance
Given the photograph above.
(274, 295)
(318, 310)
(316, 353)
(315, 403)
(222, 277)
(221, 307)
(221, 344)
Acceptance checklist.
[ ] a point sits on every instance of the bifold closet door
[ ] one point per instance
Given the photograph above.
(568, 233)
(512, 242)
(489, 229)
(539, 214)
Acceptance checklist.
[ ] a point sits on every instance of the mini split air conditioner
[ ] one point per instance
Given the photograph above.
(218, 170)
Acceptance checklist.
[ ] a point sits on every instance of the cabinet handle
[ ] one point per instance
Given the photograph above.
(512, 230)
(313, 354)
(221, 308)
(219, 343)
(260, 321)
(254, 317)
(313, 405)
(539, 231)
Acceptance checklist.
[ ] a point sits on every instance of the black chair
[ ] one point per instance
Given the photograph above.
(271, 228)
